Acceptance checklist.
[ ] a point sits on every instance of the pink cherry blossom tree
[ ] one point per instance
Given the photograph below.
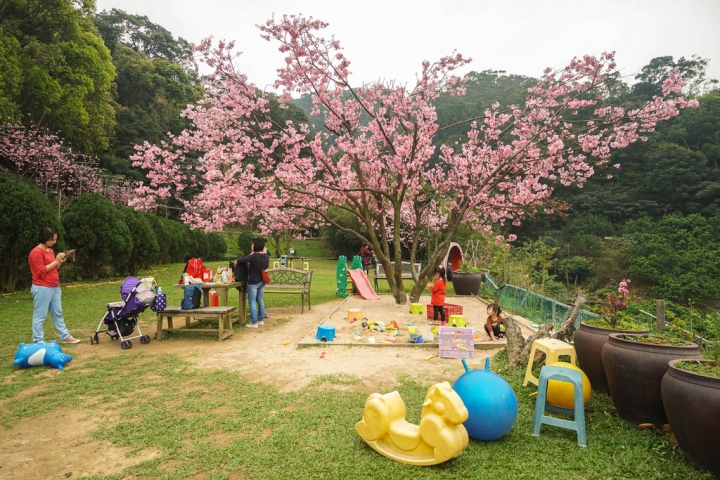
(236, 163)
(41, 157)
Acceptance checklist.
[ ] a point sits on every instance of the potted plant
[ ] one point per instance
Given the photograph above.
(468, 277)
(593, 334)
(691, 397)
(635, 365)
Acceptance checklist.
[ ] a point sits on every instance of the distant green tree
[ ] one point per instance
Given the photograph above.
(200, 247)
(217, 244)
(24, 211)
(150, 94)
(173, 240)
(162, 236)
(677, 257)
(98, 231)
(343, 242)
(145, 248)
(579, 269)
(10, 78)
(652, 75)
(244, 241)
(65, 70)
(118, 27)
(181, 242)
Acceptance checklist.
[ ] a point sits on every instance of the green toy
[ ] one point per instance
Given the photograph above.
(357, 263)
(341, 276)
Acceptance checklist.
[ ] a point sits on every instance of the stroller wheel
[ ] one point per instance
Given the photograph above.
(97, 339)
(126, 344)
(91, 339)
(144, 339)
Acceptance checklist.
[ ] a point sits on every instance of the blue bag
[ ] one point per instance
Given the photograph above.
(192, 298)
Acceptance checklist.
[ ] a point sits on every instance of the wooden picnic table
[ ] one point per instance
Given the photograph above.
(222, 290)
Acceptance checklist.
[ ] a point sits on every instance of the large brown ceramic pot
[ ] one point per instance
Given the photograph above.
(692, 406)
(635, 371)
(589, 341)
(467, 283)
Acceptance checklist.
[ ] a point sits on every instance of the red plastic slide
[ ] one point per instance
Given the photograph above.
(362, 285)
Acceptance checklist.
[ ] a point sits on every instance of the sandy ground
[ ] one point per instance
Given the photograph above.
(58, 444)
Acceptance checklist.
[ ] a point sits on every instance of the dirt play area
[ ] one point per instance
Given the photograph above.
(284, 353)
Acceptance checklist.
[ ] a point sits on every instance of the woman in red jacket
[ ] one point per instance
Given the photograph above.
(46, 287)
(438, 294)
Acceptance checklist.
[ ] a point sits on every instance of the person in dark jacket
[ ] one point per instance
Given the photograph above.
(257, 261)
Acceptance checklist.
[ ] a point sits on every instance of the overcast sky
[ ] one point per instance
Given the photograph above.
(390, 38)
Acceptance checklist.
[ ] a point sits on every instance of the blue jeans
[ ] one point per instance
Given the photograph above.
(255, 295)
(47, 299)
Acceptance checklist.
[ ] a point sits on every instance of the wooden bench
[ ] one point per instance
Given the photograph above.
(290, 280)
(406, 271)
(223, 315)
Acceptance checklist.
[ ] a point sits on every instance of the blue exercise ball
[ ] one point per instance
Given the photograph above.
(491, 403)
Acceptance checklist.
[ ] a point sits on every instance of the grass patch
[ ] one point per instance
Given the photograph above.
(217, 424)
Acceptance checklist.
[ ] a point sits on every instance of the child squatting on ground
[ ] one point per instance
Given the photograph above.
(438, 294)
(493, 322)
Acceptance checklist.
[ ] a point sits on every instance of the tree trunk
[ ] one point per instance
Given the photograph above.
(519, 349)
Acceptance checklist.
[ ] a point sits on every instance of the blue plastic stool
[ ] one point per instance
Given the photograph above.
(561, 374)
(325, 333)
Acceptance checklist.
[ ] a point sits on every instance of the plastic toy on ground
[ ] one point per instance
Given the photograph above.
(439, 437)
(491, 403)
(562, 394)
(354, 314)
(456, 321)
(417, 308)
(325, 333)
(36, 354)
(362, 285)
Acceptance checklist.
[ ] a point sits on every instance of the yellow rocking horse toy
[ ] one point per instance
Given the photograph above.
(439, 437)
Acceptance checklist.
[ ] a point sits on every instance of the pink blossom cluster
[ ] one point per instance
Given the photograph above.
(41, 157)
(236, 164)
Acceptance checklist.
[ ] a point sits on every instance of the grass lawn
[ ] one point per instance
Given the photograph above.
(223, 425)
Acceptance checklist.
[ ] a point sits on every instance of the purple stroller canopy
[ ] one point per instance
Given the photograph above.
(132, 304)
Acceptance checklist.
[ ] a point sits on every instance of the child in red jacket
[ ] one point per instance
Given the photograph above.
(438, 294)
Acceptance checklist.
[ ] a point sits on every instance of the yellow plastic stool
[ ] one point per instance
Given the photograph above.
(417, 308)
(355, 313)
(456, 321)
(553, 348)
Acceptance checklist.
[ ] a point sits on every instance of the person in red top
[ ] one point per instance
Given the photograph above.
(45, 289)
(438, 294)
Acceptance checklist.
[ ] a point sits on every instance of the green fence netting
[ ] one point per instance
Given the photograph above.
(533, 306)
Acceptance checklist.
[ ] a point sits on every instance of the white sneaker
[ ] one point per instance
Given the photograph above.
(251, 325)
(261, 323)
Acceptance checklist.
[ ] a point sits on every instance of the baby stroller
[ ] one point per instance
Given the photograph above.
(121, 317)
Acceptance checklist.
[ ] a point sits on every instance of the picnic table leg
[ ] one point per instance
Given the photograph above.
(158, 333)
(241, 304)
(223, 297)
(220, 327)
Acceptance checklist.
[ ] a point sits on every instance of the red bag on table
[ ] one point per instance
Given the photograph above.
(194, 268)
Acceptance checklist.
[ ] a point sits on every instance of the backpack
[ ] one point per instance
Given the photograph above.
(240, 272)
(194, 268)
(192, 298)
